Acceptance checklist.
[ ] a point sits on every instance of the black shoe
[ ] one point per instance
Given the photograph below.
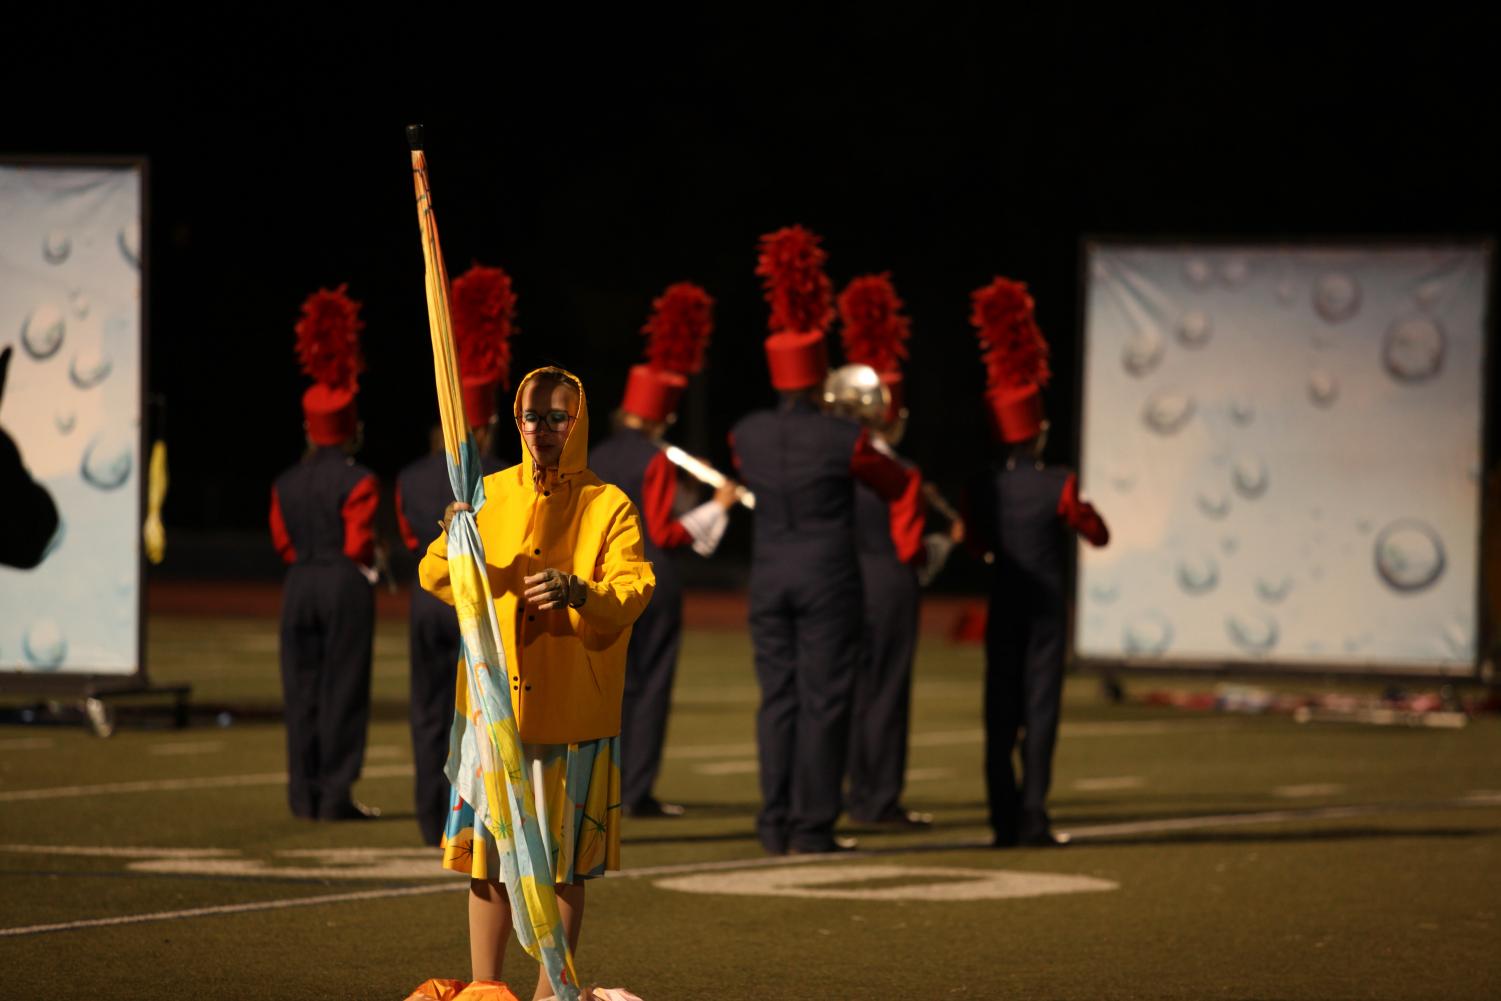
(653, 807)
(899, 816)
(838, 843)
(351, 810)
(1045, 838)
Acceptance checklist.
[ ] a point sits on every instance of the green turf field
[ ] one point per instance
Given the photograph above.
(1217, 857)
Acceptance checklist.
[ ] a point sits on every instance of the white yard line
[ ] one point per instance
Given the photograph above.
(1085, 833)
(203, 912)
(1107, 783)
(734, 767)
(110, 851)
(182, 785)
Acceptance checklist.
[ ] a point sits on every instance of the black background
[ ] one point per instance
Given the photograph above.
(598, 158)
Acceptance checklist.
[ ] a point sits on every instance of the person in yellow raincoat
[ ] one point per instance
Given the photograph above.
(569, 575)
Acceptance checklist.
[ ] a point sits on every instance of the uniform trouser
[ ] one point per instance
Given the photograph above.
(1023, 689)
(435, 656)
(883, 688)
(651, 662)
(805, 620)
(327, 623)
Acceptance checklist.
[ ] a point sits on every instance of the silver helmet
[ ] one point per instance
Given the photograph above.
(856, 391)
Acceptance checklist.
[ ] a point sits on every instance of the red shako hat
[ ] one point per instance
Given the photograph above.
(484, 313)
(328, 347)
(1015, 356)
(873, 329)
(801, 298)
(676, 335)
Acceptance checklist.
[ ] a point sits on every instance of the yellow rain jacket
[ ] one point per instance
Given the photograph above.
(566, 666)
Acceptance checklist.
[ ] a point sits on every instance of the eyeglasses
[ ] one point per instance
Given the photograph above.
(529, 421)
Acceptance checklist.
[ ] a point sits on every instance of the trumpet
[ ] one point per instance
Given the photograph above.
(705, 473)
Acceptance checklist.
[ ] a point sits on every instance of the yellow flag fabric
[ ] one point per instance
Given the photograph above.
(509, 811)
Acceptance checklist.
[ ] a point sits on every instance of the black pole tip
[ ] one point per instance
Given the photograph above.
(414, 136)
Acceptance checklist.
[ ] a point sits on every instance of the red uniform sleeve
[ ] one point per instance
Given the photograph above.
(734, 455)
(359, 521)
(1081, 515)
(407, 535)
(881, 473)
(907, 521)
(279, 536)
(658, 489)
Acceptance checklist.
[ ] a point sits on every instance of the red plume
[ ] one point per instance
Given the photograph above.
(328, 338)
(874, 327)
(800, 294)
(1011, 344)
(484, 310)
(681, 320)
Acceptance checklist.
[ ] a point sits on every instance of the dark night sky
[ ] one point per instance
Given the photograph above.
(598, 161)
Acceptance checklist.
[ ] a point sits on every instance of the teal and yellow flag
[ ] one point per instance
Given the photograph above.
(509, 810)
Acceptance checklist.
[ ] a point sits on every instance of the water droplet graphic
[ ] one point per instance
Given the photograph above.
(80, 303)
(1323, 389)
(1409, 555)
(1198, 574)
(65, 420)
(1198, 272)
(90, 367)
(1214, 503)
(108, 459)
(1273, 590)
(1195, 329)
(1143, 352)
(1336, 297)
(1229, 544)
(57, 247)
(1242, 412)
(1167, 411)
(1414, 349)
(1123, 480)
(1235, 271)
(45, 645)
(1249, 476)
(42, 332)
(1104, 592)
(1429, 294)
(1287, 292)
(1459, 637)
(129, 241)
(57, 538)
(1147, 635)
(1253, 632)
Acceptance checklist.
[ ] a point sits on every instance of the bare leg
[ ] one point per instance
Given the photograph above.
(489, 928)
(571, 910)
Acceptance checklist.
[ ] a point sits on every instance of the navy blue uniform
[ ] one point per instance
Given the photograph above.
(883, 686)
(1025, 515)
(322, 510)
(422, 494)
(806, 607)
(625, 459)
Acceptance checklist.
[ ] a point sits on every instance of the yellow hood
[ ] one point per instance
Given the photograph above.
(575, 458)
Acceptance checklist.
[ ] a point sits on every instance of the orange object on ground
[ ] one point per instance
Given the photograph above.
(457, 990)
